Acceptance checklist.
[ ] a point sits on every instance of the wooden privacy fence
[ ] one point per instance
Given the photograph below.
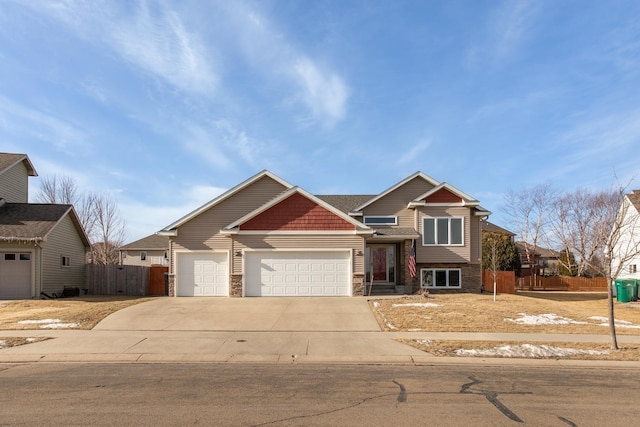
(505, 281)
(125, 280)
(564, 283)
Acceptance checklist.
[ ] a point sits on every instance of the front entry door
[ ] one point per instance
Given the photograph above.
(381, 262)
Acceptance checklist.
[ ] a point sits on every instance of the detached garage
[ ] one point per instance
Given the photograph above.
(297, 273)
(202, 274)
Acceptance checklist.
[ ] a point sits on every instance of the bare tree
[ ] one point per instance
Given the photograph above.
(109, 228)
(578, 223)
(528, 209)
(98, 214)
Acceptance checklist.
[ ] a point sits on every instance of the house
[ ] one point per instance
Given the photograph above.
(42, 246)
(267, 237)
(626, 251)
(546, 262)
(148, 251)
(488, 227)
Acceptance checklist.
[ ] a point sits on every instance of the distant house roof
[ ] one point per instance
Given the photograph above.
(488, 226)
(32, 222)
(152, 242)
(541, 252)
(8, 160)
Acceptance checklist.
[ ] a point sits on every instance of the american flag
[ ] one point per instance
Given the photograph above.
(412, 260)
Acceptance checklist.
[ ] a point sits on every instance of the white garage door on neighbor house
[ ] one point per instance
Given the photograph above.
(15, 275)
(299, 273)
(203, 274)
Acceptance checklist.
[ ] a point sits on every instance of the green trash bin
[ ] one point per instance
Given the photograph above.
(622, 294)
(632, 289)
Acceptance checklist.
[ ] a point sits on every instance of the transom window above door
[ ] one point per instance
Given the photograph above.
(381, 220)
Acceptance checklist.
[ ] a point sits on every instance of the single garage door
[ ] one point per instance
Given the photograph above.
(202, 275)
(15, 275)
(309, 273)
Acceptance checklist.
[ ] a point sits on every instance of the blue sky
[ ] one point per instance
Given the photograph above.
(164, 105)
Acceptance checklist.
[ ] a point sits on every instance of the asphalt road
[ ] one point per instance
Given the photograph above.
(315, 395)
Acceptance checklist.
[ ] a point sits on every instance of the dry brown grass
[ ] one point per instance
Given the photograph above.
(87, 310)
(479, 313)
(442, 348)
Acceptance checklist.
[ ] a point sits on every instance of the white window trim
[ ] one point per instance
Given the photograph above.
(394, 222)
(436, 218)
(64, 264)
(441, 269)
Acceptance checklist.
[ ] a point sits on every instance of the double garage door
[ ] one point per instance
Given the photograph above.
(267, 273)
(15, 275)
(300, 273)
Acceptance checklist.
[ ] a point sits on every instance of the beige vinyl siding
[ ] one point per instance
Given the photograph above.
(14, 184)
(154, 257)
(445, 254)
(203, 231)
(63, 241)
(475, 233)
(302, 241)
(395, 203)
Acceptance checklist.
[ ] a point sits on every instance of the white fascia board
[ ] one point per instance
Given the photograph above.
(480, 211)
(167, 233)
(225, 196)
(398, 185)
(295, 232)
(467, 200)
(287, 194)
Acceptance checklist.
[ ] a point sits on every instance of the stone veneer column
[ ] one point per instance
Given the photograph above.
(172, 285)
(236, 286)
(358, 285)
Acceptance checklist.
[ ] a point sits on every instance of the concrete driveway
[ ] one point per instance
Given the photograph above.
(335, 314)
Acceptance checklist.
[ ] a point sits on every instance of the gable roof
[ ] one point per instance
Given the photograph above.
(168, 230)
(634, 198)
(297, 190)
(346, 202)
(396, 186)
(33, 222)
(466, 199)
(491, 227)
(152, 242)
(8, 160)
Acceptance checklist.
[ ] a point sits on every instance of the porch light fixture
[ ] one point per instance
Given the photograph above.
(238, 253)
(359, 252)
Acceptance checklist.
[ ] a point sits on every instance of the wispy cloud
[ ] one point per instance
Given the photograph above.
(507, 29)
(413, 152)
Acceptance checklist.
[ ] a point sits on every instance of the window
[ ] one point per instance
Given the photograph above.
(143, 256)
(65, 261)
(633, 268)
(25, 257)
(443, 231)
(381, 220)
(440, 278)
(9, 257)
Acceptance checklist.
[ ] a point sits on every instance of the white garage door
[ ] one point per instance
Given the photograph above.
(202, 275)
(298, 273)
(15, 275)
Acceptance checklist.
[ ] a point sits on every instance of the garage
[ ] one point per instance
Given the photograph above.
(15, 275)
(299, 273)
(203, 274)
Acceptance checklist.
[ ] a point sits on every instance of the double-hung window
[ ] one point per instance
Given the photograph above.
(443, 231)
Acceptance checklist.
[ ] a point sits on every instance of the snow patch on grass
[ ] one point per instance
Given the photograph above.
(3, 343)
(49, 324)
(529, 351)
(35, 322)
(544, 319)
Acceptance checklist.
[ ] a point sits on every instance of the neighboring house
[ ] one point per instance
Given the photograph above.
(627, 251)
(546, 262)
(148, 251)
(492, 228)
(42, 246)
(266, 237)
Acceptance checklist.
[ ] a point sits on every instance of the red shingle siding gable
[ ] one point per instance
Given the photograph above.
(297, 213)
(443, 196)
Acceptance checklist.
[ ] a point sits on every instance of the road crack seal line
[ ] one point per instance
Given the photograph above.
(492, 397)
(402, 397)
(568, 422)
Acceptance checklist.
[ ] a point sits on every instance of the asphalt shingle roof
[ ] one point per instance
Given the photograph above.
(346, 203)
(29, 221)
(150, 242)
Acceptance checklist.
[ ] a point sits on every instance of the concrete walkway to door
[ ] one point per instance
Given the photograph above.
(312, 314)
